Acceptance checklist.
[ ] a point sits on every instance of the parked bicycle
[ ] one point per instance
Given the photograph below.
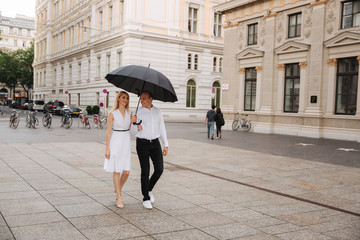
(84, 119)
(242, 123)
(31, 120)
(47, 119)
(14, 119)
(66, 120)
(100, 122)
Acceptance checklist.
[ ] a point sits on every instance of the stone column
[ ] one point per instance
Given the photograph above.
(241, 90)
(280, 90)
(258, 87)
(268, 82)
(330, 104)
(358, 92)
(316, 56)
(302, 100)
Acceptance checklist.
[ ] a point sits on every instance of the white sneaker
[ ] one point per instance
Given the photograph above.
(147, 204)
(152, 198)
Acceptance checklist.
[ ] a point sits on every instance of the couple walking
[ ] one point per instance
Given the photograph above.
(213, 117)
(118, 144)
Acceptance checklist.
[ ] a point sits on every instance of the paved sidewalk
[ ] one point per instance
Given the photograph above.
(207, 191)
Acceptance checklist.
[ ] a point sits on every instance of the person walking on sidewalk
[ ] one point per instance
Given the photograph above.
(219, 119)
(210, 121)
(118, 144)
(152, 128)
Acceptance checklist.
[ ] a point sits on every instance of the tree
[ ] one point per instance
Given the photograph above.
(8, 66)
(25, 71)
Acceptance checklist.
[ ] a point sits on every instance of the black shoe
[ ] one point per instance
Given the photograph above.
(212, 138)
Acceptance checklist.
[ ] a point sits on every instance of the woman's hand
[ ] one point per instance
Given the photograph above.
(139, 127)
(107, 153)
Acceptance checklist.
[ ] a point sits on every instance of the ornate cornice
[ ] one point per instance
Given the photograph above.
(303, 65)
(242, 70)
(318, 3)
(332, 62)
(258, 69)
(281, 67)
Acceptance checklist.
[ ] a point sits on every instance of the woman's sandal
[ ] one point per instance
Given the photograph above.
(119, 202)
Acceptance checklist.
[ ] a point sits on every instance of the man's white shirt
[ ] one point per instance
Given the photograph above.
(153, 125)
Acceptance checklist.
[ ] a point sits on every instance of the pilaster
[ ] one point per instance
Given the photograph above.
(303, 67)
(332, 64)
(241, 89)
(280, 89)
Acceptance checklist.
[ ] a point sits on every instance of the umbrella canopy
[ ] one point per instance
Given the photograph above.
(137, 79)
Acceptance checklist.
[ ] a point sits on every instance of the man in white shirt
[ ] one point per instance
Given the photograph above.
(152, 128)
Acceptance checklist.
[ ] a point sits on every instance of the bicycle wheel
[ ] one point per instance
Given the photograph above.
(45, 121)
(68, 122)
(235, 125)
(28, 121)
(11, 121)
(49, 123)
(35, 122)
(87, 123)
(16, 122)
(246, 126)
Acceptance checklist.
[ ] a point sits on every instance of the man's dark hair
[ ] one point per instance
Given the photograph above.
(150, 94)
(213, 107)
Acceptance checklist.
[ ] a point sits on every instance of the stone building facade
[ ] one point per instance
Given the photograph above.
(16, 33)
(293, 66)
(78, 42)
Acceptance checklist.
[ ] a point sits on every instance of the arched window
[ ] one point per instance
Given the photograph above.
(196, 61)
(189, 61)
(190, 93)
(214, 64)
(220, 65)
(215, 93)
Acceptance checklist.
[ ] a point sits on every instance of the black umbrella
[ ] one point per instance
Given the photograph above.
(137, 79)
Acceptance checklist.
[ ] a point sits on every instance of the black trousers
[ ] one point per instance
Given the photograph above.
(149, 149)
(218, 130)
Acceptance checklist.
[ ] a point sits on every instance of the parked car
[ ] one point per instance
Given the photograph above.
(36, 105)
(13, 104)
(74, 110)
(53, 106)
(21, 102)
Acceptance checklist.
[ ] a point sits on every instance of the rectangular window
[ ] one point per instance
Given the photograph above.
(78, 99)
(119, 59)
(70, 74)
(79, 72)
(100, 21)
(346, 86)
(15, 31)
(196, 61)
(292, 87)
(250, 89)
(98, 68)
(110, 17)
(252, 34)
(217, 24)
(350, 14)
(89, 68)
(108, 63)
(193, 19)
(121, 12)
(294, 25)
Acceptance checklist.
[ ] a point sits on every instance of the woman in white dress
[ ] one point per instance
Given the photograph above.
(118, 144)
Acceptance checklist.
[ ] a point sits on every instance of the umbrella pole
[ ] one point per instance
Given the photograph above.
(142, 89)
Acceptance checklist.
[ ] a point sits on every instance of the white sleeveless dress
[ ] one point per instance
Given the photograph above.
(120, 145)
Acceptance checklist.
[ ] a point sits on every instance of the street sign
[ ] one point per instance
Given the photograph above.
(104, 91)
(101, 104)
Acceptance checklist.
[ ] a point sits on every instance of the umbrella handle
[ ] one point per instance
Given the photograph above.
(137, 123)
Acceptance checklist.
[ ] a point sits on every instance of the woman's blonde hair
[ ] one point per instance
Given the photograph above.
(116, 103)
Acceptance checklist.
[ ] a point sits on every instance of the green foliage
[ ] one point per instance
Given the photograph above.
(89, 110)
(16, 68)
(96, 109)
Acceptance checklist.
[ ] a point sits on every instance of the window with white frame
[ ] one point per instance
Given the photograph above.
(89, 68)
(250, 89)
(110, 16)
(350, 14)
(108, 66)
(79, 72)
(190, 94)
(217, 24)
(189, 61)
(121, 17)
(98, 68)
(196, 62)
(192, 19)
(15, 31)
(100, 21)
(70, 74)
(252, 34)
(214, 64)
(294, 28)
(216, 91)
(119, 59)
(292, 87)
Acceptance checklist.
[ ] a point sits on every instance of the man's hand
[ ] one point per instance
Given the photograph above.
(165, 151)
(133, 119)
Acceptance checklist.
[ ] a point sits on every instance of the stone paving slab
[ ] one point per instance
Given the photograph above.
(60, 191)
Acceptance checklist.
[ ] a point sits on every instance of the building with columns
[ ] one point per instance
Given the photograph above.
(78, 42)
(293, 66)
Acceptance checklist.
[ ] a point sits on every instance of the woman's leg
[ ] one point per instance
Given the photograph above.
(116, 180)
(123, 178)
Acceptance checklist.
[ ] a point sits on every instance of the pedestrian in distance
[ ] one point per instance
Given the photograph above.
(219, 120)
(210, 121)
(151, 128)
(118, 144)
